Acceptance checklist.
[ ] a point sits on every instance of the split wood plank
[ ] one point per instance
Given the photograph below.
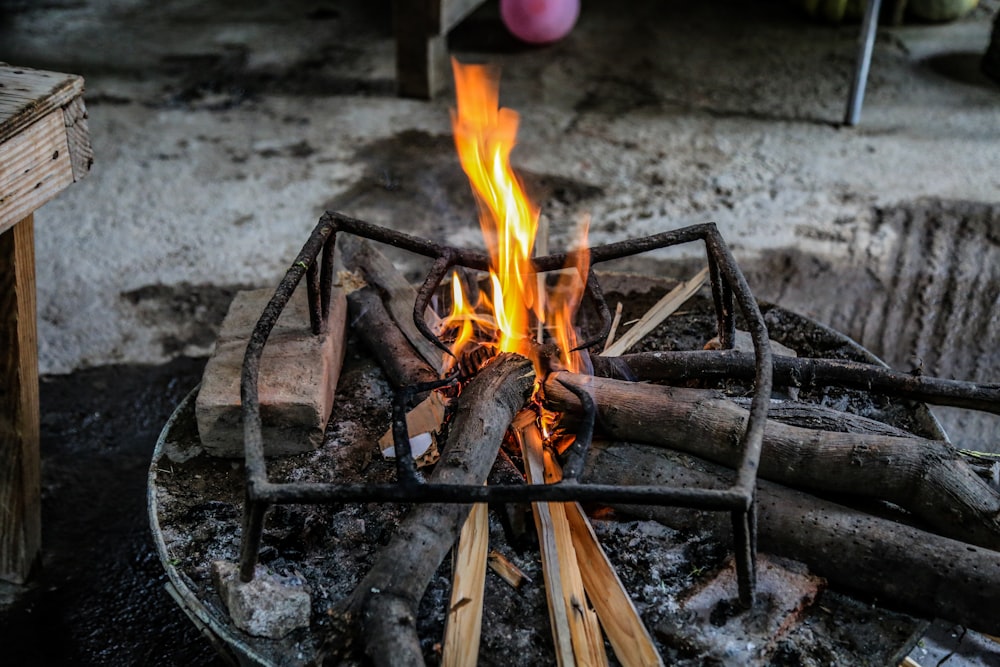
(576, 631)
(618, 616)
(507, 571)
(655, 315)
(20, 470)
(621, 622)
(613, 331)
(465, 612)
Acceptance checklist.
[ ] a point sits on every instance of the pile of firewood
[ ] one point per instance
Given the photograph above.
(937, 555)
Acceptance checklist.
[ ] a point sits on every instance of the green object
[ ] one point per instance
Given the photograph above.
(940, 10)
(834, 11)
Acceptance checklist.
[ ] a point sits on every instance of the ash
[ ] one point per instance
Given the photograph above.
(331, 547)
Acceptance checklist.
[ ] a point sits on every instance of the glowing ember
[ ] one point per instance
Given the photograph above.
(485, 135)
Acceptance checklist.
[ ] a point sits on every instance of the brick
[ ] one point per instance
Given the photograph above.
(298, 377)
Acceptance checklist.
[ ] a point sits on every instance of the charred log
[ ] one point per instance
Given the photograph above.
(383, 606)
(878, 558)
(926, 477)
(399, 360)
(799, 372)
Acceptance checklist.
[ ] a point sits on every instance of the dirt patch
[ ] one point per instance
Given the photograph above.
(98, 598)
(184, 315)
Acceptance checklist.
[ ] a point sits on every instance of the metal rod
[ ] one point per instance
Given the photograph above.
(728, 282)
(584, 435)
(568, 491)
(866, 42)
(314, 299)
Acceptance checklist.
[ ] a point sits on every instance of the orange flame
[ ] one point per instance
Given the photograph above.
(485, 135)
(566, 299)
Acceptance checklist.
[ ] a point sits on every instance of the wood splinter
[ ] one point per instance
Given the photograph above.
(576, 631)
(465, 611)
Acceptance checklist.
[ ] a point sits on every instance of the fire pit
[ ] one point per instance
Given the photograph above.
(196, 503)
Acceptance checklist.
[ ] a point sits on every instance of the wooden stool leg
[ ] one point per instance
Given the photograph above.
(20, 469)
(421, 52)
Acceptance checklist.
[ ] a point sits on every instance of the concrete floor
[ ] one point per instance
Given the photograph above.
(222, 129)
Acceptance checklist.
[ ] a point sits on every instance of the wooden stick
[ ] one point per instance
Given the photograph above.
(926, 477)
(655, 315)
(616, 320)
(575, 630)
(507, 571)
(618, 616)
(394, 352)
(465, 612)
(399, 295)
(897, 564)
(541, 249)
(385, 602)
(592, 643)
(669, 366)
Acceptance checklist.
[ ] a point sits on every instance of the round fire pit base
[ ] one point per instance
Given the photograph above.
(195, 506)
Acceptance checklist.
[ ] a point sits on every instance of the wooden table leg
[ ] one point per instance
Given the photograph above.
(20, 468)
(421, 53)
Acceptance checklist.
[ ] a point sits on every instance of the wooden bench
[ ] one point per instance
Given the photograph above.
(44, 146)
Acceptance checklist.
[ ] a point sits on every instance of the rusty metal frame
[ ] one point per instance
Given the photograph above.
(315, 263)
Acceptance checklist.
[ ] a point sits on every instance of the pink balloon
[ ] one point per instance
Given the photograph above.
(539, 21)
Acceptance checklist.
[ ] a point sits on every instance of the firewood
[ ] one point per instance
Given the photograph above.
(708, 366)
(618, 616)
(465, 611)
(613, 331)
(575, 630)
(926, 477)
(385, 602)
(659, 312)
(399, 295)
(507, 571)
(879, 558)
(397, 357)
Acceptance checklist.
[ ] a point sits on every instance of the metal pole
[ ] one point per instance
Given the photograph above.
(865, 44)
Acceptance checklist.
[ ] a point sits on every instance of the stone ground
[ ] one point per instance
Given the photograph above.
(222, 129)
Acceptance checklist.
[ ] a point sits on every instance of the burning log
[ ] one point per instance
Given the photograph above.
(385, 602)
(925, 477)
(892, 562)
